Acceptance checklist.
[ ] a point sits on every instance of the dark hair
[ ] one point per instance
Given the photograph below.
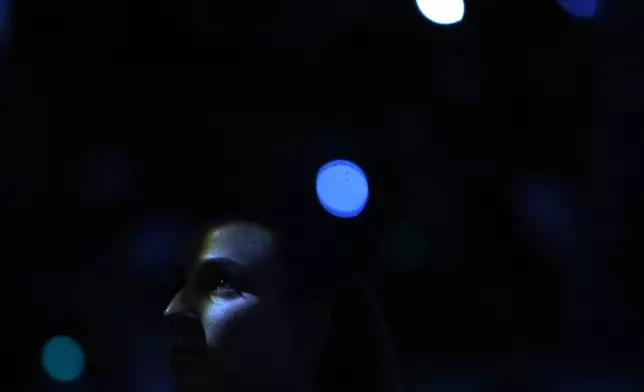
(360, 355)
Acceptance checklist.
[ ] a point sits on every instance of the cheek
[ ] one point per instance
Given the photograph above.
(223, 318)
(244, 325)
(246, 332)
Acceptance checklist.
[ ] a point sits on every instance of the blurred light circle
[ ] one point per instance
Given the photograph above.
(342, 188)
(63, 358)
(579, 8)
(443, 12)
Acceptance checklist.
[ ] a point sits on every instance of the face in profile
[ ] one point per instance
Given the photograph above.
(233, 327)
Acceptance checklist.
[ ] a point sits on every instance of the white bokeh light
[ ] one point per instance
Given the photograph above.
(444, 12)
(342, 188)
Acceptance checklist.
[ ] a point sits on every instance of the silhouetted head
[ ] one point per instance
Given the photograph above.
(258, 312)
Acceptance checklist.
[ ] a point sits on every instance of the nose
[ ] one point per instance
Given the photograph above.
(184, 323)
(181, 304)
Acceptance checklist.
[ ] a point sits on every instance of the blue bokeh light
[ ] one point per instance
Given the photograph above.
(342, 188)
(579, 8)
(63, 358)
(443, 12)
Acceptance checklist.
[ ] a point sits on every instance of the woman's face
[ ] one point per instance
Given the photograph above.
(232, 327)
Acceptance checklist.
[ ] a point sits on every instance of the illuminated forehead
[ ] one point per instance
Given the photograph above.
(244, 243)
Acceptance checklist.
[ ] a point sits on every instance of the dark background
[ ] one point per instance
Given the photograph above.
(503, 231)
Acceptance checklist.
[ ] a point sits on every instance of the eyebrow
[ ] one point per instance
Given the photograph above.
(218, 263)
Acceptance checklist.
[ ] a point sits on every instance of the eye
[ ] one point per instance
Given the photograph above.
(222, 284)
(225, 290)
(215, 281)
(219, 284)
